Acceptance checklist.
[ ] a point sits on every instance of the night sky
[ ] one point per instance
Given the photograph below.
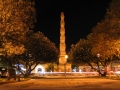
(80, 17)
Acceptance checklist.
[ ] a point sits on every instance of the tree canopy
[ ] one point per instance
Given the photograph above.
(38, 50)
(18, 42)
(17, 17)
(103, 41)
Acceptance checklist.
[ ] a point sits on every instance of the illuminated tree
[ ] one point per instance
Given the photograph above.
(21, 45)
(16, 17)
(39, 49)
(105, 39)
(105, 35)
(81, 54)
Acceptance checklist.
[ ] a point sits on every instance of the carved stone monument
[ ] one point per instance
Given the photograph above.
(63, 65)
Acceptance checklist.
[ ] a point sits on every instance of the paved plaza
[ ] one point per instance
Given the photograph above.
(64, 84)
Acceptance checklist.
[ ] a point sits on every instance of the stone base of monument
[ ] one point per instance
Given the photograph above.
(64, 68)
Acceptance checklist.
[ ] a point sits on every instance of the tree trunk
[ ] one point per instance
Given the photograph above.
(103, 74)
(26, 74)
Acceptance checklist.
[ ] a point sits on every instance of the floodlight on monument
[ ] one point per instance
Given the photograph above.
(66, 56)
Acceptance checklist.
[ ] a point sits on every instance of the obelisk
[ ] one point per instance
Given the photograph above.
(62, 59)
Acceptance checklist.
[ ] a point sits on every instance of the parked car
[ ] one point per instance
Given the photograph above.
(4, 75)
(3, 71)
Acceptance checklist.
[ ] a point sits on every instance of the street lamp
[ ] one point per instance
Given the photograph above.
(98, 55)
(66, 57)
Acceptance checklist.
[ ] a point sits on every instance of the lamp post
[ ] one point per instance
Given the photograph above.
(103, 71)
(0, 55)
(0, 62)
(98, 67)
(66, 57)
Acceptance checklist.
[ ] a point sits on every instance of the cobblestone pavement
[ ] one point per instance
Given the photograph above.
(64, 84)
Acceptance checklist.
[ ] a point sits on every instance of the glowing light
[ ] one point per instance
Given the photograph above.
(98, 55)
(118, 72)
(66, 56)
(23, 69)
(41, 67)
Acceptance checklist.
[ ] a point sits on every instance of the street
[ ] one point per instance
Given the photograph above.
(64, 84)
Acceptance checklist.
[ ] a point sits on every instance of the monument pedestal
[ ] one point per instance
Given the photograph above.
(64, 67)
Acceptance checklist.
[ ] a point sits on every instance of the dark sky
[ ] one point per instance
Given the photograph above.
(80, 17)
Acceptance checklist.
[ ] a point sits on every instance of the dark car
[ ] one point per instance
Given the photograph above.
(3, 71)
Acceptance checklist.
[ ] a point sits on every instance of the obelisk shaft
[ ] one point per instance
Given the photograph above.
(62, 59)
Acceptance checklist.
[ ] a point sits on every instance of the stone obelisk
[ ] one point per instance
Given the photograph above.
(62, 59)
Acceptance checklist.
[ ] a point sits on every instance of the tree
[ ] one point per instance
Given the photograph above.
(114, 10)
(105, 36)
(21, 45)
(39, 49)
(17, 17)
(103, 44)
(81, 54)
(78, 52)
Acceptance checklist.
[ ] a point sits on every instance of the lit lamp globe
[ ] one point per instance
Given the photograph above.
(98, 55)
(66, 57)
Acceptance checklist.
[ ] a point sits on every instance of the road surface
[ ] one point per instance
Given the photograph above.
(64, 84)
